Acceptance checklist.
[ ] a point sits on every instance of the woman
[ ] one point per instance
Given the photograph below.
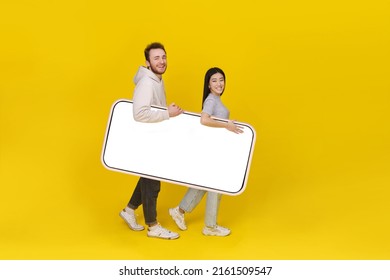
(212, 106)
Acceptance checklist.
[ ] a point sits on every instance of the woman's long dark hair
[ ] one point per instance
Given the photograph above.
(207, 78)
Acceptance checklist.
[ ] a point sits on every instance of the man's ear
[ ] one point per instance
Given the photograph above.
(147, 63)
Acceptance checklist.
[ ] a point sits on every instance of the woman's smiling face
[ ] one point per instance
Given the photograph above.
(217, 84)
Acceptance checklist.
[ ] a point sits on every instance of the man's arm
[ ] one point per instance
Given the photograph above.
(142, 102)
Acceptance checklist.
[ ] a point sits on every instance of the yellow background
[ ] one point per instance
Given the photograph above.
(312, 77)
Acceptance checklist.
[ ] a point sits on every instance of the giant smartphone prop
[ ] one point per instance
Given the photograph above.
(180, 150)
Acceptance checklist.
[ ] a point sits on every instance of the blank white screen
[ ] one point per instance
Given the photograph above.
(180, 150)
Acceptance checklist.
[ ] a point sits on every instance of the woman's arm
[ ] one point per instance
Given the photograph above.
(207, 120)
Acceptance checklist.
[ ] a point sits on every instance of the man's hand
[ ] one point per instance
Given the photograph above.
(174, 110)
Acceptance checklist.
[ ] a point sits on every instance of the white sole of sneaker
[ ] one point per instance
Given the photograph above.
(160, 237)
(207, 233)
(218, 235)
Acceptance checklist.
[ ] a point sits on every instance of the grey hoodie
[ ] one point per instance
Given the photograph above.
(149, 90)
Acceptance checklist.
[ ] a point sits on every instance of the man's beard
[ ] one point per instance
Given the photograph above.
(157, 71)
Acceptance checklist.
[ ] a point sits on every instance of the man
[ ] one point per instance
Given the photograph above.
(149, 90)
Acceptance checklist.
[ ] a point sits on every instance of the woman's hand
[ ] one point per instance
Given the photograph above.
(231, 126)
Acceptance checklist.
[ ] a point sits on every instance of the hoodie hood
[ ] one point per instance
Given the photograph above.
(145, 72)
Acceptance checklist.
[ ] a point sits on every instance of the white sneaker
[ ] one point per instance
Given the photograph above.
(178, 217)
(216, 231)
(131, 220)
(160, 232)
